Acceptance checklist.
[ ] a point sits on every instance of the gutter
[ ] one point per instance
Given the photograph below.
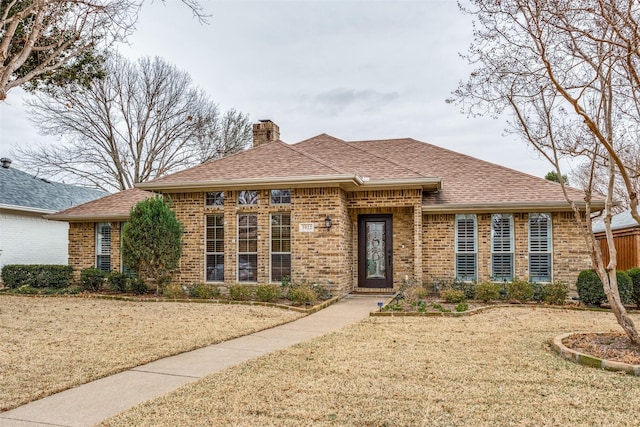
(88, 218)
(509, 207)
(255, 183)
(26, 209)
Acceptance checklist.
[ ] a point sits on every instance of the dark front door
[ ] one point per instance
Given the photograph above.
(375, 251)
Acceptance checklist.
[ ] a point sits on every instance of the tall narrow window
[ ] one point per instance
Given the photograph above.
(502, 247)
(466, 248)
(103, 246)
(540, 247)
(215, 248)
(248, 248)
(280, 246)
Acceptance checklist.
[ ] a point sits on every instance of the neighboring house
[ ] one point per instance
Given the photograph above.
(25, 236)
(626, 239)
(357, 216)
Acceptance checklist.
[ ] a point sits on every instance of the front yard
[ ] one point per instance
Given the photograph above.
(495, 368)
(53, 343)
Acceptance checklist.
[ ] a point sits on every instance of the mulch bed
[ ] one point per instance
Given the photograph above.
(609, 346)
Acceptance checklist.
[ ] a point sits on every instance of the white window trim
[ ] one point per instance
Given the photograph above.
(475, 243)
(511, 244)
(549, 242)
(271, 242)
(96, 254)
(212, 253)
(247, 253)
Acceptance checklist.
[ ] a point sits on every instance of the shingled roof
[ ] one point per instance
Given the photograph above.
(115, 207)
(451, 181)
(21, 191)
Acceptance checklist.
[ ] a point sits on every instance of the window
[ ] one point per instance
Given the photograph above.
(103, 246)
(248, 248)
(214, 198)
(215, 248)
(466, 248)
(248, 197)
(540, 247)
(280, 197)
(280, 246)
(502, 247)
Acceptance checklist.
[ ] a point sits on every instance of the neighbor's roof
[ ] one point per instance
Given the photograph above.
(115, 207)
(21, 191)
(620, 221)
(453, 182)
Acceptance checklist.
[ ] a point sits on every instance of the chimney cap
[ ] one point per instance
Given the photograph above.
(265, 121)
(5, 162)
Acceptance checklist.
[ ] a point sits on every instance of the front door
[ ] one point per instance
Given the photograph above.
(375, 251)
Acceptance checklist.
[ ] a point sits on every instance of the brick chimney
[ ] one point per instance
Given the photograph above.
(265, 131)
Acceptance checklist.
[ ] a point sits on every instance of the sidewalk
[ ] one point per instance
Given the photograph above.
(93, 402)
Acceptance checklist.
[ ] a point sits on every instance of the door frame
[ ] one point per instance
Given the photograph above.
(363, 282)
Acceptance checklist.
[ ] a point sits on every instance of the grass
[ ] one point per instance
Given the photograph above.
(495, 368)
(49, 344)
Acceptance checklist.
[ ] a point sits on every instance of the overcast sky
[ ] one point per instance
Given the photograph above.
(353, 69)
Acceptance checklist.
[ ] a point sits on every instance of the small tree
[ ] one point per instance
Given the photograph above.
(152, 240)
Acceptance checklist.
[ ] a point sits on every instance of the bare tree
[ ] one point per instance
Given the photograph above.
(53, 40)
(142, 120)
(232, 133)
(567, 72)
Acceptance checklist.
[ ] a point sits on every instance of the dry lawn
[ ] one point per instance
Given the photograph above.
(491, 369)
(51, 344)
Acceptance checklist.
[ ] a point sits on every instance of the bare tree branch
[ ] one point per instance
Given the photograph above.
(141, 121)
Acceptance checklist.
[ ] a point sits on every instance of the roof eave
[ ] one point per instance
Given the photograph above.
(89, 217)
(557, 206)
(425, 184)
(344, 181)
(28, 209)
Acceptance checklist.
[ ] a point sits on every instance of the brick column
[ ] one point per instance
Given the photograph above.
(417, 242)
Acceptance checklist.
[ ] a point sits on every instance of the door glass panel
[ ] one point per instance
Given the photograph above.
(376, 250)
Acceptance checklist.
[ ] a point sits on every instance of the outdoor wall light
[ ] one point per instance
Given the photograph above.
(327, 222)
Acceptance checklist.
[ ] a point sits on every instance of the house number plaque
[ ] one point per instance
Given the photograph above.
(306, 227)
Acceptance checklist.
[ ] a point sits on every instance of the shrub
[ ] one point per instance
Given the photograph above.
(240, 292)
(137, 286)
(634, 274)
(539, 292)
(469, 288)
(37, 275)
(302, 294)
(556, 292)
(92, 278)
(520, 290)
(201, 290)
(591, 291)
(453, 296)
(322, 292)
(173, 291)
(117, 281)
(268, 293)
(487, 291)
(463, 306)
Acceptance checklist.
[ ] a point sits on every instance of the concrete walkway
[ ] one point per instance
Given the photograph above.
(98, 400)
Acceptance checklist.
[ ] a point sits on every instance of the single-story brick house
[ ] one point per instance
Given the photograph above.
(357, 216)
